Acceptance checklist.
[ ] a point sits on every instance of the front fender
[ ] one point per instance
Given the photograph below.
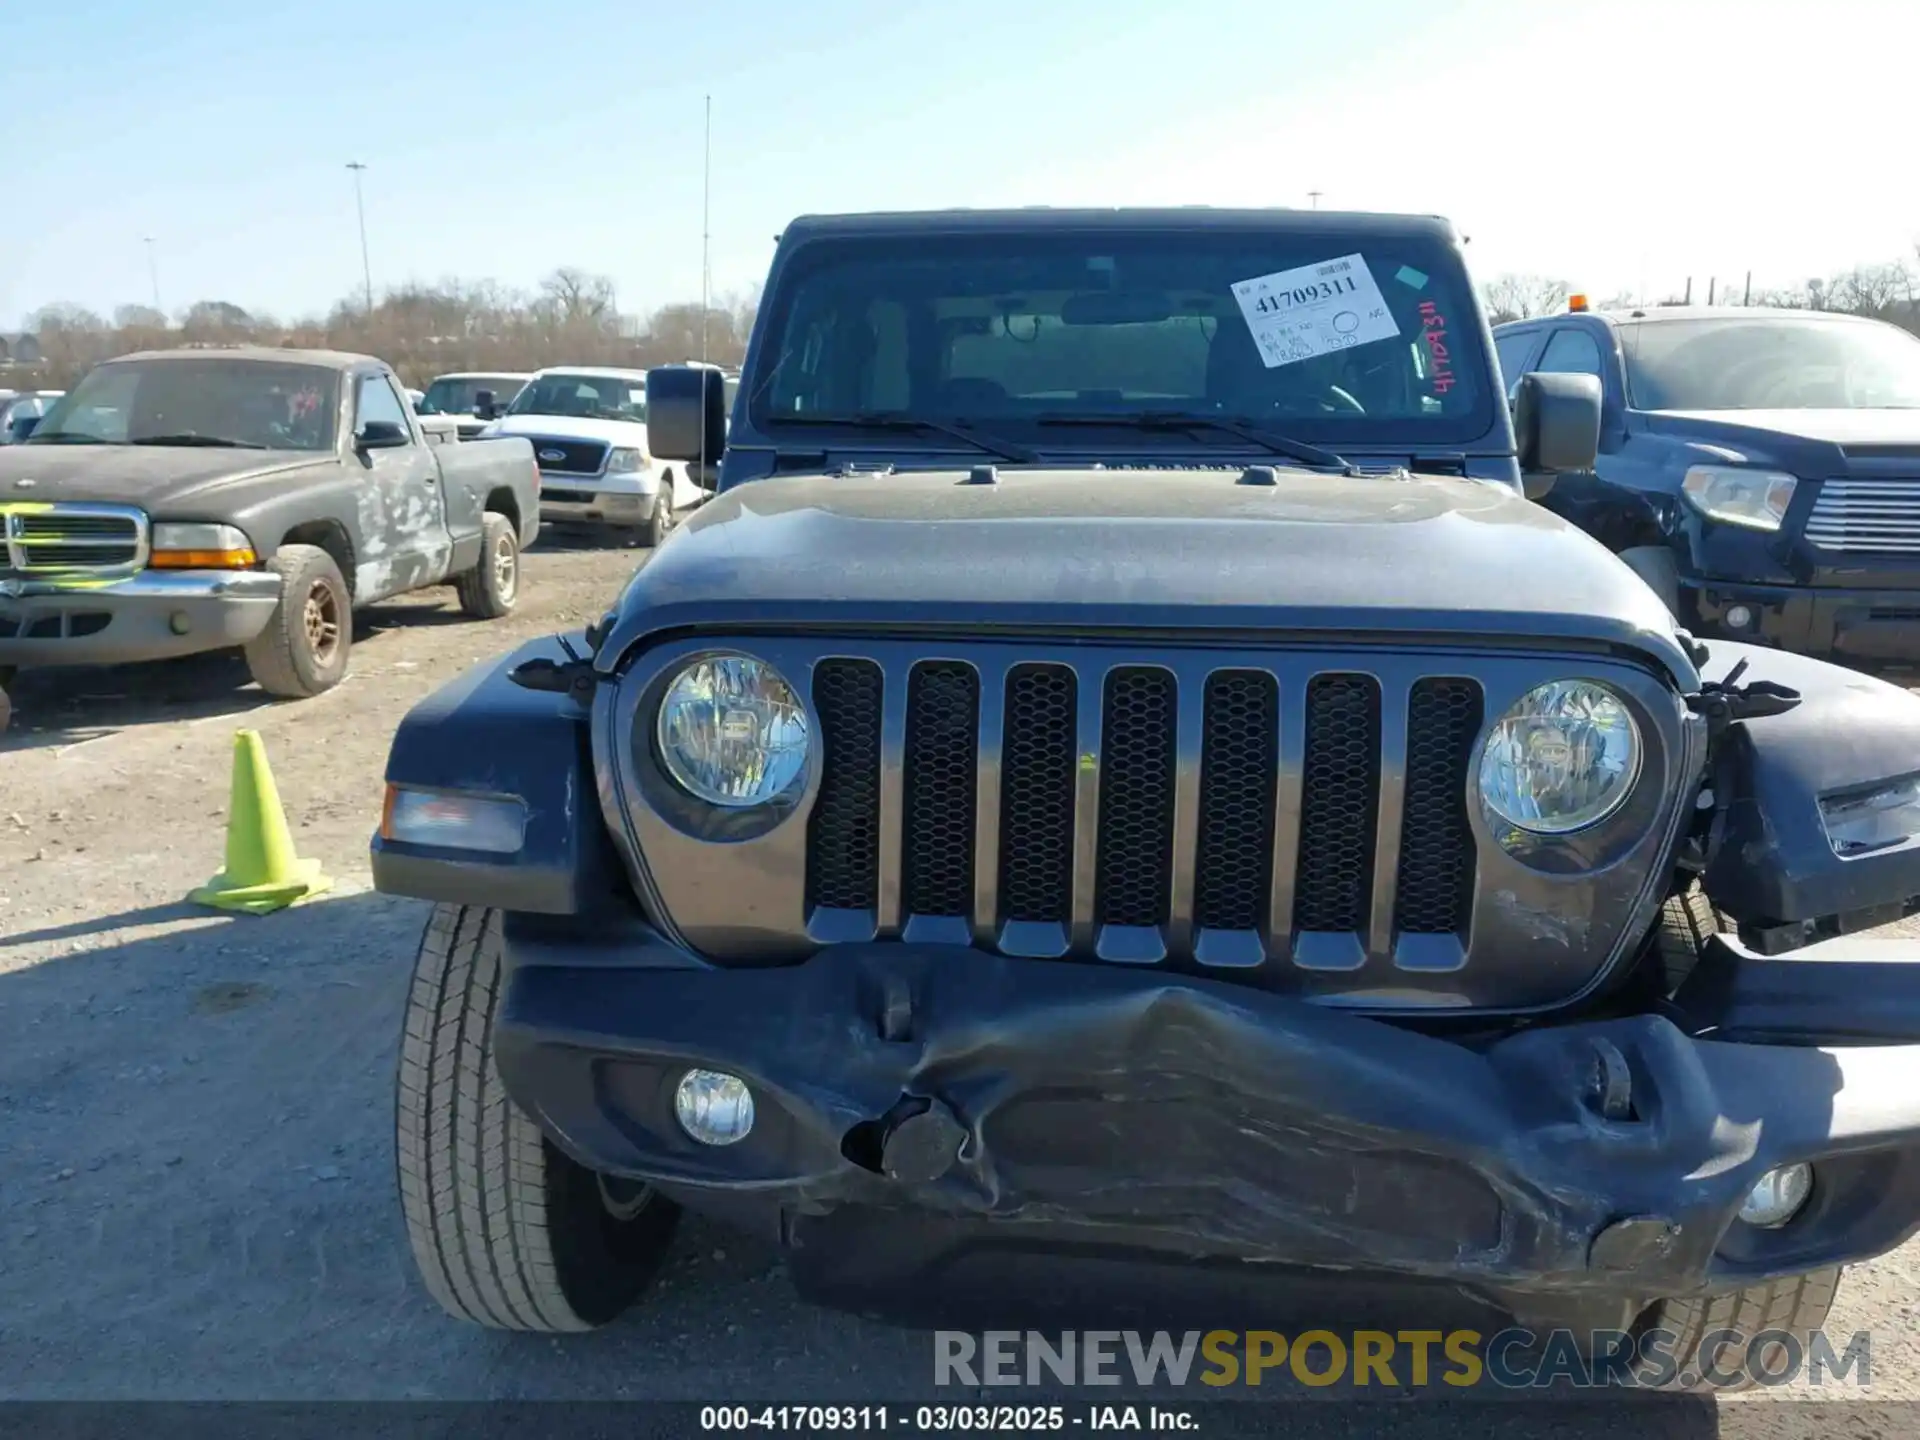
(483, 734)
(1771, 866)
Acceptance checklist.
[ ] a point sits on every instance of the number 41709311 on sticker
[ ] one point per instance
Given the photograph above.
(1314, 309)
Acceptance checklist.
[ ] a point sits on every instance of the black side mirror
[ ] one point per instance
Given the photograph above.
(380, 435)
(687, 413)
(1556, 422)
(25, 426)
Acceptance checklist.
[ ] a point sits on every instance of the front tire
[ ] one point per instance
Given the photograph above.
(303, 650)
(507, 1232)
(660, 523)
(1797, 1305)
(488, 591)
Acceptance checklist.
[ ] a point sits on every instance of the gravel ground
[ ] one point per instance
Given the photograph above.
(196, 1193)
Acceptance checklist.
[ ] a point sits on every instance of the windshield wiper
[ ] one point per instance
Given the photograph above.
(1238, 425)
(67, 437)
(216, 442)
(894, 420)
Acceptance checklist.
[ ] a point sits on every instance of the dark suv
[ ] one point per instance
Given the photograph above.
(1760, 469)
(1120, 776)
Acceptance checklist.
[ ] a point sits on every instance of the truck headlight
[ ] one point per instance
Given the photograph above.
(1859, 824)
(732, 732)
(201, 547)
(1757, 499)
(1564, 757)
(624, 460)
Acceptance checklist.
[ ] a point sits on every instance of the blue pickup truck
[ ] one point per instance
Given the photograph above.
(1760, 469)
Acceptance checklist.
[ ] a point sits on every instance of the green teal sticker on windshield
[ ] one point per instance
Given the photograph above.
(1407, 275)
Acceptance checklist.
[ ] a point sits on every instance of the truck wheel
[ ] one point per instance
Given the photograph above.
(1655, 565)
(1795, 1304)
(660, 523)
(7, 672)
(303, 650)
(488, 591)
(1686, 920)
(506, 1231)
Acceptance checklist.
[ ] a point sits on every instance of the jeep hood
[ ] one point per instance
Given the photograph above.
(1092, 550)
(148, 476)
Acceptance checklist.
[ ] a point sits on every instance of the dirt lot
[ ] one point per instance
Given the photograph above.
(195, 1158)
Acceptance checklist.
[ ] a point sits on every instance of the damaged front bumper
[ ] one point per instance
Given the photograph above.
(1179, 1117)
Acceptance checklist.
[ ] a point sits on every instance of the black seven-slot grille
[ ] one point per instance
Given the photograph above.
(1322, 828)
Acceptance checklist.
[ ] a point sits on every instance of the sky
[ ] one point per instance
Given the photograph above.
(1621, 146)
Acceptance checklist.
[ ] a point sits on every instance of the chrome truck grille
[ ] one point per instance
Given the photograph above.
(100, 541)
(1876, 516)
(1213, 850)
(1295, 818)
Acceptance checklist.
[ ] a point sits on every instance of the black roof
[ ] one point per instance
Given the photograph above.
(1185, 217)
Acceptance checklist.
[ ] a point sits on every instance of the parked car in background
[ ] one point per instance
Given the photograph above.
(474, 398)
(190, 500)
(19, 413)
(588, 426)
(1760, 469)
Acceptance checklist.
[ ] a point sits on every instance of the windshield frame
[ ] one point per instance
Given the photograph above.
(1481, 428)
(1631, 331)
(630, 383)
(327, 379)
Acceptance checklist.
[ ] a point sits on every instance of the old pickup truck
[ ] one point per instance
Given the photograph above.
(190, 500)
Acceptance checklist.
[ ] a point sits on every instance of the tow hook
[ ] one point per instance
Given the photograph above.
(920, 1142)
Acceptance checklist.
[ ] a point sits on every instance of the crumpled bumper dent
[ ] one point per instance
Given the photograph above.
(1173, 1114)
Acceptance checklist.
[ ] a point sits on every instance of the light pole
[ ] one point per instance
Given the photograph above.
(1314, 196)
(360, 205)
(153, 275)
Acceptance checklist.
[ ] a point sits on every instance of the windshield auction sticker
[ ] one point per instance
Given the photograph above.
(1314, 310)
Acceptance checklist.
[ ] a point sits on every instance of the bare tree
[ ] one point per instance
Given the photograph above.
(138, 317)
(1521, 297)
(577, 296)
(1874, 290)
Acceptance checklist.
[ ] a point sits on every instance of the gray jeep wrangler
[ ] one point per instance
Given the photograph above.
(1121, 772)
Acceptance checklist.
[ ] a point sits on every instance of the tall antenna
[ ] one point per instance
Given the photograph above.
(706, 231)
(706, 276)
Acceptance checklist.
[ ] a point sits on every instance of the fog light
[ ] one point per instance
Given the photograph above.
(1778, 1196)
(1739, 617)
(179, 622)
(713, 1107)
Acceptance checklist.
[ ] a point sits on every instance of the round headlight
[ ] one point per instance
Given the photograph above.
(732, 732)
(1563, 758)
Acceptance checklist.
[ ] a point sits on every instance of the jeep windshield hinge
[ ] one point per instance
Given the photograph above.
(575, 677)
(1723, 702)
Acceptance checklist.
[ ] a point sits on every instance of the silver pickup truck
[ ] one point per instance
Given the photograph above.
(189, 500)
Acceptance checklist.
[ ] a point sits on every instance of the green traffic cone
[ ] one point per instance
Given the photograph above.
(262, 874)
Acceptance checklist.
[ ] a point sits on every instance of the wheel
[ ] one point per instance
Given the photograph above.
(1795, 1304)
(1655, 565)
(488, 591)
(303, 650)
(1686, 920)
(7, 672)
(506, 1231)
(660, 523)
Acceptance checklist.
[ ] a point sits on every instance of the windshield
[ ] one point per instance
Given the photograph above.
(458, 396)
(253, 403)
(1789, 363)
(593, 397)
(1319, 335)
